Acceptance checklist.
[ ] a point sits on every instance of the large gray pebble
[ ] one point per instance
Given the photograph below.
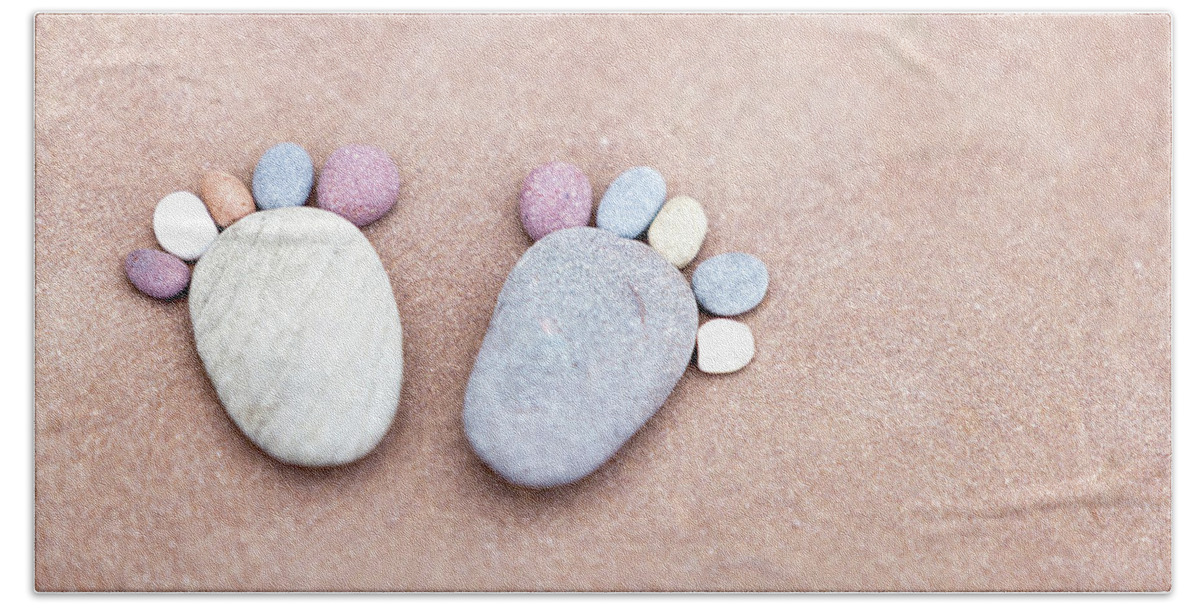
(631, 202)
(298, 330)
(590, 334)
(730, 284)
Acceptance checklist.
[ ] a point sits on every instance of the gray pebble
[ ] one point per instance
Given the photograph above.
(589, 336)
(283, 177)
(631, 202)
(730, 284)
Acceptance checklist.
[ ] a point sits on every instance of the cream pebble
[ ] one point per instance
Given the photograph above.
(723, 346)
(678, 230)
(183, 226)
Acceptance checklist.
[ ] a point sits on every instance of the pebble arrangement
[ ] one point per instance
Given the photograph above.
(293, 314)
(593, 328)
(297, 327)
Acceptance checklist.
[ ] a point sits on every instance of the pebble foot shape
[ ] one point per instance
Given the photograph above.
(297, 326)
(590, 334)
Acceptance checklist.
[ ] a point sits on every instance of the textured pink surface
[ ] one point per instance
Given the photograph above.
(358, 182)
(157, 274)
(962, 378)
(556, 195)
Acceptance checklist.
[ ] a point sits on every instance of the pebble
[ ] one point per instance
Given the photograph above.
(283, 177)
(557, 195)
(723, 346)
(298, 329)
(183, 226)
(590, 334)
(631, 202)
(730, 284)
(227, 198)
(678, 230)
(157, 274)
(359, 182)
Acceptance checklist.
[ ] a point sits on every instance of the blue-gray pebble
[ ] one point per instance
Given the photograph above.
(590, 334)
(283, 177)
(730, 284)
(631, 202)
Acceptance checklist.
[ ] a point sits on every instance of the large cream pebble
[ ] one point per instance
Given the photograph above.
(297, 326)
(723, 346)
(183, 226)
(678, 230)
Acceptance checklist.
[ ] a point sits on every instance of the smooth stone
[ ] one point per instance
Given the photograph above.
(730, 284)
(723, 346)
(631, 202)
(298, 330)
(183, 226)
(557, 195)
(678, 230)
(157, 274)
(590, 333)
(359, 182)
(227, 198)
(283, 177)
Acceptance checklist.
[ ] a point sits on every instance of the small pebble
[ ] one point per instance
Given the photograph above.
(557, 195)
(358, 182)
(679, 230)
(723, 346)
(283, 177)
(227, 198)
(157, 274)
(183, 226)
(631, 202)
(730, 284)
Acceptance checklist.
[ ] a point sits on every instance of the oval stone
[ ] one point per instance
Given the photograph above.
(298, 330)
(157, 274)
(359, 182)
(590, 333)
(631, 202)
(678, 230)
(730, 284)
(183, 226)
(556, 195)
(226, 197)
(723, 346)
(283, 177)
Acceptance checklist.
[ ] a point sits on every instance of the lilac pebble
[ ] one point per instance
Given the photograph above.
(358, 182)
(557, 195)
(157, 274)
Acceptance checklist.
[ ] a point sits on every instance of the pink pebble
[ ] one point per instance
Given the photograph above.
(557, 195)
(157, 274)
(358, 182)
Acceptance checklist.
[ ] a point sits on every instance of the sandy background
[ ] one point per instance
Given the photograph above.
(963, 369)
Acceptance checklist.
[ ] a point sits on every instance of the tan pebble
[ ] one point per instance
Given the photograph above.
(723, 346)
(227, 198)
(679, 230)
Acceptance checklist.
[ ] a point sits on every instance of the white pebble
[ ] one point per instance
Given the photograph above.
(724, 346)
(183, 226)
